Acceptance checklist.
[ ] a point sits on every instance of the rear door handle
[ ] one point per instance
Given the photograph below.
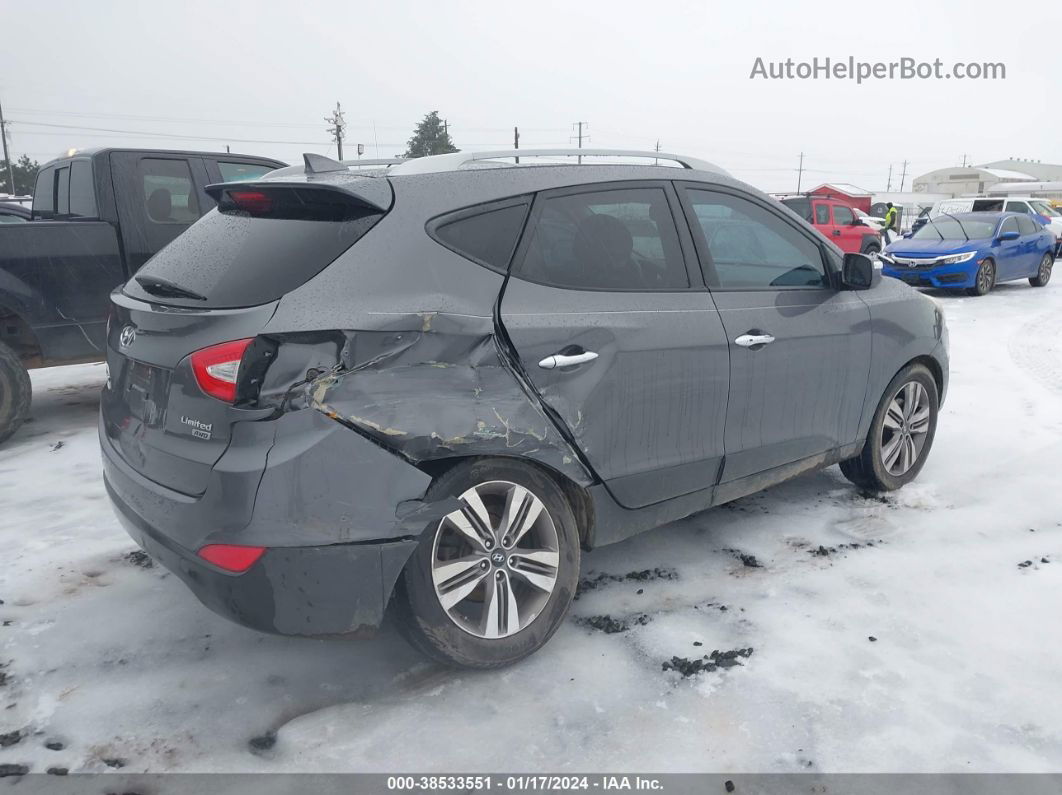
(561, 360)
(749, 340)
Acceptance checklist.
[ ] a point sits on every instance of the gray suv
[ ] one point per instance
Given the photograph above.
(428, 385)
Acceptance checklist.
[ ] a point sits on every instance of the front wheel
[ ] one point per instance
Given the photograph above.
(15, 392)
(985, 279)
(492, 579)
(1043, 273)
(901, 433)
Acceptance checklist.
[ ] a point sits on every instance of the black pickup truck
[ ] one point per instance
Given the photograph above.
(97, 216)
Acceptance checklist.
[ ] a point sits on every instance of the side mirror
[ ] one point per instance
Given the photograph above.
(859, 272)
(1009, 236)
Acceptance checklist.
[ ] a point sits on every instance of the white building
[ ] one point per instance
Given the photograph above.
(968, 180)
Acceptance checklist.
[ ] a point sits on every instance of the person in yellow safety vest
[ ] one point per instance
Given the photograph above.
(891, 224)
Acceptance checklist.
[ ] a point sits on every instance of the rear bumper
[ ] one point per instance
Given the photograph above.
(339, 516)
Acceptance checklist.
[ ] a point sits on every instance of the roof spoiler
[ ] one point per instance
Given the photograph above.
(375, 194)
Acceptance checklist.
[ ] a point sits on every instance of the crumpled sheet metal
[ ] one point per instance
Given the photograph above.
(439, 390)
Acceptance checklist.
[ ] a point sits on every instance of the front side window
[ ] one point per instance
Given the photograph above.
(169, 194)
(1017, 207)
(623, 239)
(1010, 224)
(822, 214)
(842, 215)
(242, 172)
(752, 248)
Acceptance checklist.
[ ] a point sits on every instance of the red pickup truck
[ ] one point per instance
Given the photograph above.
(837, 221)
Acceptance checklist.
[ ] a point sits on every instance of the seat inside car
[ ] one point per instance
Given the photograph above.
(603, 248)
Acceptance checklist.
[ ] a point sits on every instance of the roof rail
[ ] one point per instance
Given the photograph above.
(452, 162)
(368, 162)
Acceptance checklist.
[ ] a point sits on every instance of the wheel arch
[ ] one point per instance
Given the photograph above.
(578, 496)
(17, 334)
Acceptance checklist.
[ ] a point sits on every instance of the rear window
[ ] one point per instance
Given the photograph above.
(486, 235)
(235, 260)
(801, 207)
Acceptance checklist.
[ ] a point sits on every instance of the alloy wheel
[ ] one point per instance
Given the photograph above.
(495, 559)
(1045, 268)
(904, 428)
(986, 275)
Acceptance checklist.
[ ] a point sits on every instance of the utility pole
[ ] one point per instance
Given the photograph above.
(580, 136)
(7, 157)
(516, 141)
(361, 150)
(337, 129)
(656, 160)
(903, 175)
(888, 185)
(800, 171)
(964, 161)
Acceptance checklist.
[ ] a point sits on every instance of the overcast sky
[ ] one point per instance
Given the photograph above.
(260, 76)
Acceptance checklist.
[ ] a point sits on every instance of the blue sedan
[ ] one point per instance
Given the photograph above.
(973, 251)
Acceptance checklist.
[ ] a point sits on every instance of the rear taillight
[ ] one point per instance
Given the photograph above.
(231, 557)
(217, 368)
(254, 202)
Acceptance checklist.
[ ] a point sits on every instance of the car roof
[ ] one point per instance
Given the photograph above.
(103, 150)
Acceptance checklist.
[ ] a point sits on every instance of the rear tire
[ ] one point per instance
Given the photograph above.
(16, 392)
(901, 433)
(525, 571)
(1043, 274)
(872, 249)
(985, 279)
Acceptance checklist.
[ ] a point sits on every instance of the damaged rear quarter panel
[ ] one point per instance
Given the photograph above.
(443, 389)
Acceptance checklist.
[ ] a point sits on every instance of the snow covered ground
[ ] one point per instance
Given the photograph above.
(958, 577)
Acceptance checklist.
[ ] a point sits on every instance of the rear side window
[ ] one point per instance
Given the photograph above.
(62, 192)
(169, 194)
(44, 194)
(752, 248)
(82, 190)
(241, 172)
(1027, 226)
(486, 235)
(236, 259)
(622, 239)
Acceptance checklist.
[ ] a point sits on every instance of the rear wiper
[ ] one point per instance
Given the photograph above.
(166, 289)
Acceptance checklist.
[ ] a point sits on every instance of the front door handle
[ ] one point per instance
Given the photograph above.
(561, 360)
(750, 340)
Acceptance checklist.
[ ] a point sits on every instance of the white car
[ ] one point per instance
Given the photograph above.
(1010, 204)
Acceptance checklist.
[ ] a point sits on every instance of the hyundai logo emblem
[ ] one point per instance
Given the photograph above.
(498, 558)
(125, 339)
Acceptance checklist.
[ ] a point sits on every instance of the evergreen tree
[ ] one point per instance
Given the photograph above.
(25, 173)
(430, 138)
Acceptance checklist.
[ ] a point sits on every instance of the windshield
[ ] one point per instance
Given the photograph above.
(1044, 209)
(945, 228)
